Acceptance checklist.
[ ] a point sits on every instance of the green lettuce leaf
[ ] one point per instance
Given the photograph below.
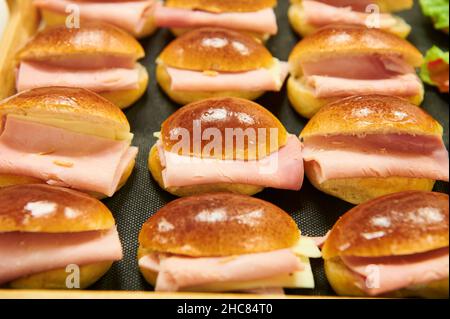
(438, 11)
(432, 55)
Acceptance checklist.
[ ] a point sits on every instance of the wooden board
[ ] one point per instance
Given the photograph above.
(77, 294)
(23, 23)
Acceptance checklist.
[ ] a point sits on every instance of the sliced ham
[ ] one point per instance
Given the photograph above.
(128, 15)
(177, 272)
(263, 21)
(402, 86)
(359, 5)
(377, 156)
(321, 14)
(385, 274)
(64, 158)
(23, 254)
(361, 67)
(255, 80)
(282, 169)
(34, 75)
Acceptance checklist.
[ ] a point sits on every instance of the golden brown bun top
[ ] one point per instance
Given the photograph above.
(222, 6)
(223, 115)
(49, 209)
(66, 103)
(397, 224)
(348, 40)
(371, 114)
(93, 38)
(219, 224)
(216, 49)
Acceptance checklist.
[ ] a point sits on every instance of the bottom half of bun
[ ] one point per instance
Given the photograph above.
(300, 24)
(126, 98)
(343, 282)
(57, 279)
(185, 97)
(52, 18)
(360, 190)
(155, 167)
(10, 180)
(307, 105)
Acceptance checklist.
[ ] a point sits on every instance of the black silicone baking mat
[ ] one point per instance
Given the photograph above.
(314, 211)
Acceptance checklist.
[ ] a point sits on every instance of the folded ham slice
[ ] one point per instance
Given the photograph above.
(254, 80)
(401, 86)
(34, 75)
(358, 67)
(263, 21)
(177, 272)
(343, 76)
(23, 254)
(385, 274)
(321, 14)
(128, 15)
(393, 155)
(64, 158)
(359, 5)
(282, 169)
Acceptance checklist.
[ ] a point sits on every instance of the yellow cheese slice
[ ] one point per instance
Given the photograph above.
(80, 127)
(307, 247)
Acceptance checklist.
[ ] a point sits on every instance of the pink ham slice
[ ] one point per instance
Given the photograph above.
(401, 85)
(176, 272)
(359, 5)
(34, 75)
(128, 15)
(63, 158)
(263, 21)
(321, 14)
(282, 169)
(255, 80)
(361, 67)
(385, 274)
(394, 155)
(24, 254)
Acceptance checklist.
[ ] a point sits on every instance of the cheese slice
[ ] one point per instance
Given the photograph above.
(4, 17)
(99, 130)
(299, 279)
(307, 247)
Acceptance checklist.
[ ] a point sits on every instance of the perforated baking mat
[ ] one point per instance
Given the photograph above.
(314, 211)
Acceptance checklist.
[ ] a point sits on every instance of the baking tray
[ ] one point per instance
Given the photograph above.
(314, 211)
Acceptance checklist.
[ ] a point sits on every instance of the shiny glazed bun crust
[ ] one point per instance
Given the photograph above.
(412, 222)
(218, 224)
(223, 114)
(216, 49)
(20, 206)
(93, 38)
(66, 103)
(371, 114)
